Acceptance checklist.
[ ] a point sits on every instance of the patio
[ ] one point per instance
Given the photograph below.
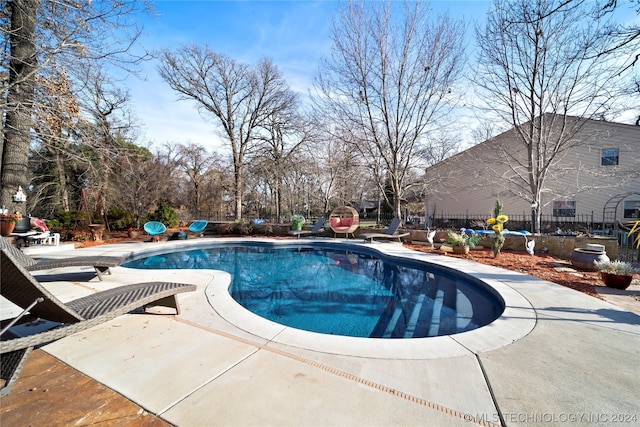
(560, 357)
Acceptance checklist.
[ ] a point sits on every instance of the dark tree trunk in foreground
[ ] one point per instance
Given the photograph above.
(22, 66)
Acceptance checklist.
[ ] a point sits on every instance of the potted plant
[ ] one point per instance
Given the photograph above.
(616, 274)
(8, 222)
(297, 221)
(462, 241)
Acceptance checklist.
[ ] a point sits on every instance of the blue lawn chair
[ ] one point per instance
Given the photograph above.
(198, 226)
(154, 229)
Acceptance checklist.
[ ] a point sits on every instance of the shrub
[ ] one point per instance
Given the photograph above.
(80, 235)
(463, 239)
(241, 227)
(616, 267)
(63, 219)
(165, 214)
(120, 219)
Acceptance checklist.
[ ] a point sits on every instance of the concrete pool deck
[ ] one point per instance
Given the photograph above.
(556, 357)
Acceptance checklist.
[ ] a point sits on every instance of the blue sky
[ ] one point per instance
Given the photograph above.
(294, 34)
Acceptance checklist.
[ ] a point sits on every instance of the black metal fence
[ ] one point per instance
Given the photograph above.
(627, 250)
(548, 224)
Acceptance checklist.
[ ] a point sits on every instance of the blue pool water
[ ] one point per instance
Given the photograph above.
(343, 292)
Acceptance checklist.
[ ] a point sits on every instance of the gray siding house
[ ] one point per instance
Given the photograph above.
(596, 176)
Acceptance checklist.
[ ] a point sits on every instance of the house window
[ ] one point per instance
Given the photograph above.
(564, 208)
(632, 209)
(609, 157)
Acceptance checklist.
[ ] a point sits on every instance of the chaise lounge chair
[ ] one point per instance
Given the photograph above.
(390, 234)
(100, 263)
(21, 288)
(315, 230)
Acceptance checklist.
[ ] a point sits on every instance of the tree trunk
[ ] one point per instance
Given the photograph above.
(397, 207)
(278, 196)
(22, 66)
(397, 200)
(62, 179)
(239, 192)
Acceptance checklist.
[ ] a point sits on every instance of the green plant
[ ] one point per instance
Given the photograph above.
(165, 214)
(497, 222)
(620, 268)
(297, 222)
(64, 219)
(241, 227)
(80, 236)
(463, 239)
(120, 219)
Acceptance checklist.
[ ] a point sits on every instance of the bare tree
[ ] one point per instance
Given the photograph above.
(240, 97)
(538, 64)
(280, 140)
(336, 173)
(106, 134)
(389, 83)
(439, 146)
(56, 114)
(39, 32)
(136, 171)
(625, 35)
(196, 163)
(217, 190)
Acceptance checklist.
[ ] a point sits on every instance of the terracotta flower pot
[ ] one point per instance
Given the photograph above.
(461, 250)
(6, 227)
(615, 280)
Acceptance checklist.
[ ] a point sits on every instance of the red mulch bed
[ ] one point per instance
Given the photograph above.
(542, 266)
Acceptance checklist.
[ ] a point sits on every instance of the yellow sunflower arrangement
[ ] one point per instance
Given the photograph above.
(497, 225)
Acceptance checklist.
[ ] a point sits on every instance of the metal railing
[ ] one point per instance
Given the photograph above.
(582, 223)
(627, 250)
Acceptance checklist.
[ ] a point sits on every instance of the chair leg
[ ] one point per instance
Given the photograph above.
(101, 270)
(171, 301)
(11, 364)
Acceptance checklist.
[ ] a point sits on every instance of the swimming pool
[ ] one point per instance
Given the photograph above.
(335, 290)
